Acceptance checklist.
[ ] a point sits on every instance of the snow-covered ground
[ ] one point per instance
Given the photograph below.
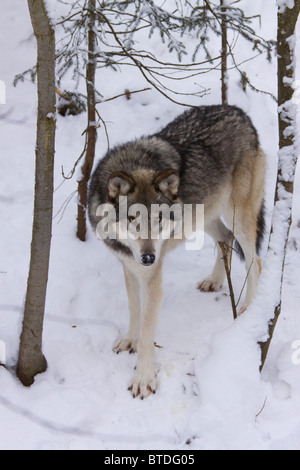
(211, 395)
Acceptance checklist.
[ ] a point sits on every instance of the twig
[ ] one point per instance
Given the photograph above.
(105, 127)
(262, 408)
(123, 94)
(245, 283)
(224, 248)
(64, 206)
(71, 173)
(75, 164)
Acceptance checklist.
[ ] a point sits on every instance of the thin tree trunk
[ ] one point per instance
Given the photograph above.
(31, 360)
(224, 55)
(92, 127)
(282, 215)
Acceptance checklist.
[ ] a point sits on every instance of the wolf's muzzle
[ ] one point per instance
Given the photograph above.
(147, 259)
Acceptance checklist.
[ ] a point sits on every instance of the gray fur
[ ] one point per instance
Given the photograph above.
(204, 144)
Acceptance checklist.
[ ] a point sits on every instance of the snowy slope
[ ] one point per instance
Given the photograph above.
(210, 395)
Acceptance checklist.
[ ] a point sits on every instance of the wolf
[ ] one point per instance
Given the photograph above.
(208, 155)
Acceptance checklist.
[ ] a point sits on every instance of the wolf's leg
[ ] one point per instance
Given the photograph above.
(246, 205)
(219, 233)
(130, 340)
(245, 234)
(144, 381)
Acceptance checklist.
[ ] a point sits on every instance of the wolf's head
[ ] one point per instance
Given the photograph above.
(147, 210)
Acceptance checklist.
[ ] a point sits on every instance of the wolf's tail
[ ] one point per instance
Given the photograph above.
(261, 227)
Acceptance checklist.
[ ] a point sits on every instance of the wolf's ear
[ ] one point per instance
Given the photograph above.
(119, 184)
(167, 181)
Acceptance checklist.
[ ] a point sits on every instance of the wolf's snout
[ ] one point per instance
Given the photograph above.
(147, 259)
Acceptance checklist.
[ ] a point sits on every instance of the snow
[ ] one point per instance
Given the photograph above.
(2, 353)
(51, 116)
(283, 4)
(211, 395)
(2, 92)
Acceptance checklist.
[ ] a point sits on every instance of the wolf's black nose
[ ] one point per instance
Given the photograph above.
(147, 259)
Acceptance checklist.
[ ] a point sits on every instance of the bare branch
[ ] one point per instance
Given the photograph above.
(224, 248)
(123, 94)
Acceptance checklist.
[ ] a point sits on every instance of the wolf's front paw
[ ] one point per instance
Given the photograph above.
(209, 285)
(126, 344)
(143, 384)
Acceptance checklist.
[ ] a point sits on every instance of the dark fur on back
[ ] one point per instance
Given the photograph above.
(210, 141)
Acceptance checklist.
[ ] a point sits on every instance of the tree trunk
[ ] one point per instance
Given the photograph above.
(287, 160)
(224, 55)
(31, 360)
(92, 126)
